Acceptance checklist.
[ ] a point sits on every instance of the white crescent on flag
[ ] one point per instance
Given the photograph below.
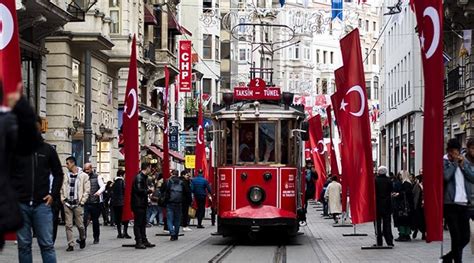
(6, 26)
(359, 90)
(434, 17)
(320, 142)
(200, 134)
(132, 93)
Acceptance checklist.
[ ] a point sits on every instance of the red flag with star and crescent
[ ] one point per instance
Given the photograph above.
(429, 15)
(332, 151)
(166, 147)
(201, 160)
(318, 151)
(356, 130)
(10, 62)
(130, 132)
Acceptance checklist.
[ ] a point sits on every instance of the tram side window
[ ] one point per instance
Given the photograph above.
(285, 129)
(247, 142)
(229, 138)
(266, 137)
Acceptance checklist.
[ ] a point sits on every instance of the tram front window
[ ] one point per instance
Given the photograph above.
(247, 143)
(266, 145)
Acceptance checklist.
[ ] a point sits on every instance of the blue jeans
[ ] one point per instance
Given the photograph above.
(152, 212)
(40, 218)
(173, 218)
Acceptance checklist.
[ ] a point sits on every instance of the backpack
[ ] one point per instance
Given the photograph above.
(176, 190)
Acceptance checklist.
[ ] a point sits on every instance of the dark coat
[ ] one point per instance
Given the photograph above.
(188, 197)
(139, 192)
(405, 204)
(118, 191)
(383, 195)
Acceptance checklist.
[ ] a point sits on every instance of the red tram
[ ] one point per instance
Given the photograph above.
(258, 139)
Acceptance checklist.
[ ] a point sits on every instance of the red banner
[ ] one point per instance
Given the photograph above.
(10, 67)
(130, 132)
(429, 15)
(318, 151)
(185, 66)
(356, 130)
(166, 146)
(332, 152)
(201, 160)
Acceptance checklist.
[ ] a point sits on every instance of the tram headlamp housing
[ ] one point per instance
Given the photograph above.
(256, 195)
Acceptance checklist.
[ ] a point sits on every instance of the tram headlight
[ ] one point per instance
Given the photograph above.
(256, 195)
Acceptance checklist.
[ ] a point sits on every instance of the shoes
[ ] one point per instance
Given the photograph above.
(119, 236)
(423, 236)
(173, 238)
(149, 225)
(166, 232)
(140, 246)
(403, 239)
(82, 244)
(200, 226)
(414, 234)
(187, 229)
(126, 236)
(148, 244)
(96, 241)
(70, 248)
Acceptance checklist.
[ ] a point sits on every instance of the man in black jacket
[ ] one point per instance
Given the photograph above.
(139, 205)
(30, 179)
(383, 192)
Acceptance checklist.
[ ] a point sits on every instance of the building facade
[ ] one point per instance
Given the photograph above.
(401, 113)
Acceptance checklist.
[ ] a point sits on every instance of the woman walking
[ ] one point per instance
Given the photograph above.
(117, 204)
(405, 208)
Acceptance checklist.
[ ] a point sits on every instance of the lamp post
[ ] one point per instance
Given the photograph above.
(79, 8)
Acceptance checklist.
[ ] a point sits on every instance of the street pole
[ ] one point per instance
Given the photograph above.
(88, 109)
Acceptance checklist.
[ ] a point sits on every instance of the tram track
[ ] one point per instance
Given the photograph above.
(279, 255)
(219, 257)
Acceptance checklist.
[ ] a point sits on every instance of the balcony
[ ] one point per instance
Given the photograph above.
(150, 52)
(165, 57)
(455, 85)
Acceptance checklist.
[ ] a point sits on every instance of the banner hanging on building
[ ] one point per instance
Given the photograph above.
(185, 66)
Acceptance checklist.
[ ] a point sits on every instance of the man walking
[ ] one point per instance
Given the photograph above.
(383, 199)
(93, 205)
(175, 193)
(187, 200)
(310, 179)
(74, 194)
(139, 205)
(200, 187)
(458, 177)
(30, 179)
(333, 197)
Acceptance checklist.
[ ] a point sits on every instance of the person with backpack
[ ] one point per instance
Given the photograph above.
(310, 178)
(175, 193)
(187, 201)
(201, 188)
(117, 202)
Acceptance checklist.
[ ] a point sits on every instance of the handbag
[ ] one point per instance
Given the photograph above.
(404, 208)
(191, 212)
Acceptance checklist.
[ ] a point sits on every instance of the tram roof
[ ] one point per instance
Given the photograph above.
(247, 110)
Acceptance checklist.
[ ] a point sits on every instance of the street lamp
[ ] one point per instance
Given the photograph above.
(79, 8)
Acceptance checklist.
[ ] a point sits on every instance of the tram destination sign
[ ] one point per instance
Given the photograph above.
(257, 90)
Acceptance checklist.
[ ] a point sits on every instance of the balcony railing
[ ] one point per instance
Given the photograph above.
(470, 72)
(164, 56)
(456, 80)
(149, 52)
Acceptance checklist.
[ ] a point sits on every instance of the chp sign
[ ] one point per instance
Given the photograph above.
(185, 66)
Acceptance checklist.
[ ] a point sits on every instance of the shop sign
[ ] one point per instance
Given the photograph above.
(257, 90)
(190, 161)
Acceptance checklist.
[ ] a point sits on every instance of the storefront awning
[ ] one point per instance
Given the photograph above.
(176, 27)
(150, 18)
(173, 154)
(155, 150)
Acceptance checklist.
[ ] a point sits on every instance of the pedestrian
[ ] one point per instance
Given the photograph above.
(333, 197)
(187, 200)
(200, 187)
(74, 194)
(458, 179)
(383, 200)
(322, 199)
(310, 180)
(106, 212)
(405, 207)
(117, 202)
(93, 206)
(30, 180)
(153, 208)
(418, 205)
(17, 136)
(139, 205)
(175, 192)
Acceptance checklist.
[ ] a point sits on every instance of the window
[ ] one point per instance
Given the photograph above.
(324, 57)
(115, 22)
(207, 46)
(360, 23)
(114, 3)
(242, 28)
(76, 75)
(374, 57)
(144, 94)
(242, 54)
(331, 57)
(206, 86)
(225, 50)
(297, 52)
(367, 87)
(246, 142)
(365, 57)
(266, 138)
(374, 26)
(409, 89)
(217, 45)
(317, 55)
(367, 25)
(376, 88)
(307, 54)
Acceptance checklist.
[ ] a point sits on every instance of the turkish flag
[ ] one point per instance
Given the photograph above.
(318, 150)
(307, 150)
(429, 15)
(10, 62)
(166, 147)
(130, 132)
(201, 160)
(332, 152)
(354, 112)
(346, 173)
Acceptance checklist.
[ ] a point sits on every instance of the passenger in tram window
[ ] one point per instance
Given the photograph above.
(247, 146)
(267, 142)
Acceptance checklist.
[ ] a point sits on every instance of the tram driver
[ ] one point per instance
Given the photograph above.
(247, 146)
